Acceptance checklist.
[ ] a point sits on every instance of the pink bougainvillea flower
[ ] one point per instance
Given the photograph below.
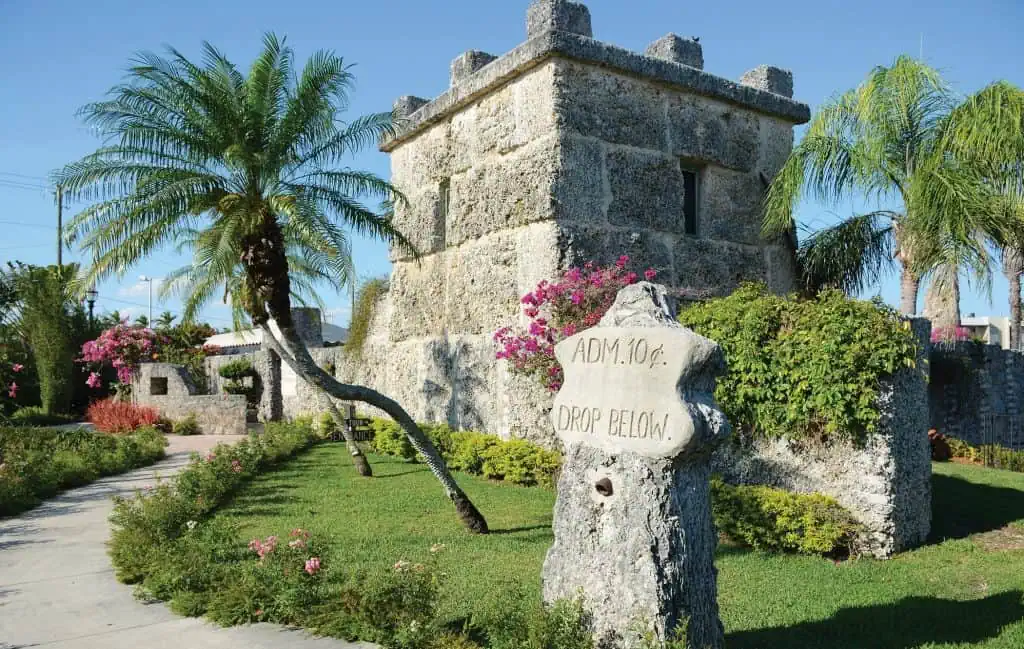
(630, 278)
(623, 260)
(12, 390)
(313, 565)
(577, 297)
(650, 274)
(236, 466)
(94, 380)
(17, 367)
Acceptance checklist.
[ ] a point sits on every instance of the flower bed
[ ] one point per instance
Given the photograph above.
(38, 463)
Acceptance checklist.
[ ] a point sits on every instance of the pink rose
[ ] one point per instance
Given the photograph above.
(313, 565)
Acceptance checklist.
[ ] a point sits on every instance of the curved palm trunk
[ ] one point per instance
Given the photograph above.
(298, 358)
(358, 457)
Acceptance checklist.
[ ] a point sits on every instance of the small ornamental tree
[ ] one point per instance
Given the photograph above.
(123, 347)
(558, 310)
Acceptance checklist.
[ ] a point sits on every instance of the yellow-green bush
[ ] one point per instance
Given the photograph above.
(767, 518)
(516, 461)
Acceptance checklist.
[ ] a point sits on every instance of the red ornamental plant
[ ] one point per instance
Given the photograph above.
(557, 310)
(112, 416)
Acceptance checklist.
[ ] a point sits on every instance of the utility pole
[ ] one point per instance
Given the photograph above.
(60, 225)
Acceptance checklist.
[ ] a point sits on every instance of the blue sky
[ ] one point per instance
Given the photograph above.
(56, 56)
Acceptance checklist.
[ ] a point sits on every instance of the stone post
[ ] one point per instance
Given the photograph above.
(632, 522)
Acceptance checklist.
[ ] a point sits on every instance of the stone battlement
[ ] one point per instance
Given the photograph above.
(556, 28)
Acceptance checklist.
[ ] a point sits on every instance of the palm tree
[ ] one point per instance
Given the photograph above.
(165, 320)
(198, 282)
(1013, 267)
(884, 140)
(251, 161)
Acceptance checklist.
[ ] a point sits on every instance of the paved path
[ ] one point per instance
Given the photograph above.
(57, 587)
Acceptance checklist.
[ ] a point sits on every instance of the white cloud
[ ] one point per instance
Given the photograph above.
(141, 289)
(338, 315)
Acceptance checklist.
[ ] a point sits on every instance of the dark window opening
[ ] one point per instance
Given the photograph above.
(689, 200)
(158, 385)
(444, 200)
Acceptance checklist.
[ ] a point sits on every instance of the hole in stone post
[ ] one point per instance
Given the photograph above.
(604, 487)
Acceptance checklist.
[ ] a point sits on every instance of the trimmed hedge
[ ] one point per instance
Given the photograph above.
(991, 455)
(516, 461)
(767, 518)
(37, 463)
(761, 517)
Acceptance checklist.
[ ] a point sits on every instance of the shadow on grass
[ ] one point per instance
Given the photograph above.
(961, 508)
(399, 474)
(517, 530)
(910, 622)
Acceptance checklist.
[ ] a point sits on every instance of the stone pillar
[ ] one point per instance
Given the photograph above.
(467, 63)
(632, 523)
(770, 78)
(268, 366)
(558, 15)
(678, 50)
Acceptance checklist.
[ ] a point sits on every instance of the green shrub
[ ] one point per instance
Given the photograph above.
(147, 522)
(186, 426)
(777, 520)
(237, 370)
(38, 463)
(34, 416)
(516, 461)
(803, 368)
(991, 455)
(390, 439)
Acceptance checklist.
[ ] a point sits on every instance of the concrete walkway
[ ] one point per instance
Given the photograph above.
(57, 587)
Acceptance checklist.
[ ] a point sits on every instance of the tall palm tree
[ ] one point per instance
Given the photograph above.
(198, 282)
(251, 160)
(882, 141)
(1013, 268)
(988, 130)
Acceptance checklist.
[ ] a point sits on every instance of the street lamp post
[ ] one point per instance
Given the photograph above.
(149, 280)
(90, 298)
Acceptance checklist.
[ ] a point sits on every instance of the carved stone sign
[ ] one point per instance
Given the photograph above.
(621, 389)
(632, 521)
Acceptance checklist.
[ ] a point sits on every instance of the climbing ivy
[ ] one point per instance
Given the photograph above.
(803, 369)
(366, 299)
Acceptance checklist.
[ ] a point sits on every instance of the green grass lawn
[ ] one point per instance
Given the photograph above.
(963, 590)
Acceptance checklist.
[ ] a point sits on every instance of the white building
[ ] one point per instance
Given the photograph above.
(994, 330)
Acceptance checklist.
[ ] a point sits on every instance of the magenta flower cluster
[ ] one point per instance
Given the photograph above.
(558, 310)
(12, 388)
(124, 347)
(950, 334)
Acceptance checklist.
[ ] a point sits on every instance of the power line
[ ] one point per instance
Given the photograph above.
(11, 173)
(10, 184)
(26, 225)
